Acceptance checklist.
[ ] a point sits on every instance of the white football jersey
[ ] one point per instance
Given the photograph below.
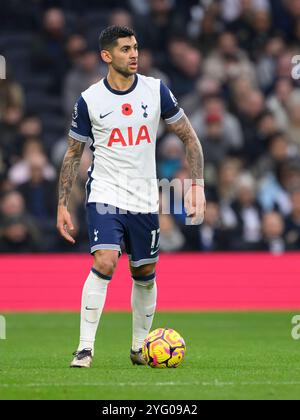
(122, 127)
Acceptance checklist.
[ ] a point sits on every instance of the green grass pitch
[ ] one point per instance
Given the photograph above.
(229, 356)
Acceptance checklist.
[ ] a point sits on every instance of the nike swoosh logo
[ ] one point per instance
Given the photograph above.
(91, 309)
(154, 252)
(148, 316)
(103, 116)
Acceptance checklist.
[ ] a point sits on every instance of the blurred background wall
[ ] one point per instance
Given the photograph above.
(229, 63)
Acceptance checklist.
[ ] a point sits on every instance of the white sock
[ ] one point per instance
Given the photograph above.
(143, 301)
(93, 300)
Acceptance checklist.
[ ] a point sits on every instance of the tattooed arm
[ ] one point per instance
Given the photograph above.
(194, 153)
(195, 202)
(67, 178)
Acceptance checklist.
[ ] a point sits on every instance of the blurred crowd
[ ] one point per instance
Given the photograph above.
(229, 62)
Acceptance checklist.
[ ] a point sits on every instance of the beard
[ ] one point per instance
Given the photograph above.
(123, 71)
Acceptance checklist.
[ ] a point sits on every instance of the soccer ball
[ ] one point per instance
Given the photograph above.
(164, 348)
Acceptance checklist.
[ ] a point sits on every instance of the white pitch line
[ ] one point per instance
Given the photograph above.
(134, 384)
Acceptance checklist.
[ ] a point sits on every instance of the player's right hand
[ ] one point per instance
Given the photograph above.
(195, 204)
(64, 224)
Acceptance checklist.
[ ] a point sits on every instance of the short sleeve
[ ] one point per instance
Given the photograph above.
(170, 111)
(81, 123)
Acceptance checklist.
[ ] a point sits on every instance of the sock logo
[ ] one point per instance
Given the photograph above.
(96, 232)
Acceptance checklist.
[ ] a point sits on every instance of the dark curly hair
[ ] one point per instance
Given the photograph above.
(109, 36)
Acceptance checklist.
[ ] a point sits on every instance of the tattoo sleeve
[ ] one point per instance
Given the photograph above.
(194, 152)
(69, 170)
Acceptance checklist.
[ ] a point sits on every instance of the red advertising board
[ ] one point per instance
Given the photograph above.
(185, 282)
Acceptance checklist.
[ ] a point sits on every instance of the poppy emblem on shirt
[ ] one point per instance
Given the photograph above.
(127, 110)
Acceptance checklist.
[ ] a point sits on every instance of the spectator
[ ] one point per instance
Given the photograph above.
(262, 31)
(48, 51)
(171, 238)
(266, 127)
(17, 230)
(205, 26)
(247, 213)
(75, 45)
(287, 15)
(267, 62)
(30, 128)
(158, 26)
(121, 17)
(185, 66)
(8, 132)
(211, 235)
(292, 222)
(12, 204)
(293, 130)
(273, 234)
(229, 171)
(227, 62)
(171, 156)
(296, 33)
(86, 72)
(220, 131)
(284, 64)
(249, 111)
(279, 151)
(235, 9)
(2, 166)
(239, 89)
(275, 188)
(38, 193)
(146, 66)
(140, 7)
(205, 87)
(253, 24)
(278, 101)
(11, 95)
(17, 236)
(19, 173)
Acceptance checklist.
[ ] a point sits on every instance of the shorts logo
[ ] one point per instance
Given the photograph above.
(127, 110)
(96, 232)
(154, 252)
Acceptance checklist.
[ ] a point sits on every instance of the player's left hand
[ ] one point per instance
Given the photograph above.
(195, 204)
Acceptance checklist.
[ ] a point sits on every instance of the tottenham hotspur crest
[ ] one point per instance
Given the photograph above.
(145, 110)
(96, 233)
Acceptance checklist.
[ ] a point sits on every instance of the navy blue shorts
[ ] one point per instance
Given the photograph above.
(137, 233)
